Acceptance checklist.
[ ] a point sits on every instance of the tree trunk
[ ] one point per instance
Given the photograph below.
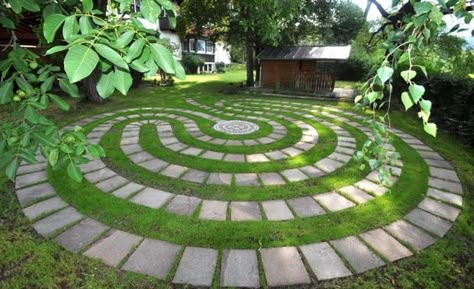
(249, 51)
(258, 49)
(89, 85)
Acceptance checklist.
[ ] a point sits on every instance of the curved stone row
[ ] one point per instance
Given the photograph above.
(282, 266)
(278, 130)
(276, 210)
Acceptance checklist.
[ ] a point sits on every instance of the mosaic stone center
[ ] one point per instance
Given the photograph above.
(236, 127)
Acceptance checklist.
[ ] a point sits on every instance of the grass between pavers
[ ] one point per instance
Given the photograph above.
(121, 214)
(29, 261)
(120, 163)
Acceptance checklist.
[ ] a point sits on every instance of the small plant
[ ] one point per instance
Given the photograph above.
(191, 63)
(220, 67)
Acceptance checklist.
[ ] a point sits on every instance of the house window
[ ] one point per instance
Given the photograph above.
(201, 47)
(191, 45)
(185, 47)
(210, 47)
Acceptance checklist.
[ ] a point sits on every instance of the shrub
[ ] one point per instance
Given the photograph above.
(355, 69)
(220, 67)
(191, 63)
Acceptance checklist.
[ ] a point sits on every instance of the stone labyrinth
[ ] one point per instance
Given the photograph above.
(253, 125)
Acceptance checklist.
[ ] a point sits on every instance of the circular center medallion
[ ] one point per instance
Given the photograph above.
(236, 127)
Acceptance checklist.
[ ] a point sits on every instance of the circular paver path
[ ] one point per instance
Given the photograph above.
(282, 266)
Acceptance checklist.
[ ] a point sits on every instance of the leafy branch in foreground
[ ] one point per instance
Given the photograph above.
(414, 24)
(108, 40)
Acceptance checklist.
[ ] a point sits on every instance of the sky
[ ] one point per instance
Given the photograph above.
(450, 20)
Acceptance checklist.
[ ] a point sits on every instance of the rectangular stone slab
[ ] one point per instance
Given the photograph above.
(153, 258)
(213, 210)
(56, 221)
(154, 165)
(30, 179)
(29, 195)
(49, 205)
(114, 247)
(429, 222)
(324, 261)
(283, 267)
(248, 179)
(386, 245)
(306, 207)
(112, 183)
(152, 198)
(294, 175)
(445, 196)
(333, 201)
(328, 165)
(370, 187)
(240, 269)
(269, 179)
(357, 254)
(356, 194)
(183, 205)
(414, 236)
(174, 171)
(219, 179)
(127, 190)
(277, 210)
(195, 176)
(452, 187)
(196, 267)
(26, 169)
(81, 235)
(445, 174)
(244, 211)
(439, 209)
(97, 176)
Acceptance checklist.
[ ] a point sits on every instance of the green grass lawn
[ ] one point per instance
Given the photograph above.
(29, 261)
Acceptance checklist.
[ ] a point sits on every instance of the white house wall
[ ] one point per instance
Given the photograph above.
(222, 54)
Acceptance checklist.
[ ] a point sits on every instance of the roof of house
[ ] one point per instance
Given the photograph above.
(306, 53)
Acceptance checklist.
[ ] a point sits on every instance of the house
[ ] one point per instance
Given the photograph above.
(310, 69)
(211, 52)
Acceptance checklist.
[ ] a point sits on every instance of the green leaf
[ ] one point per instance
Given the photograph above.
(430, 128)
(15, 5)
(30, 5)
(44, 139)
(423, 7)
(135, 50)
(425, 105)
(53, 157)
(56, 49)
(7, 22)
(6, 92)
(24, 85)
(150, 10)
(416, 92)
(403, 58)
(423, 69)
(406, 100)
(69, 88)
(384, 73)
(408, 75)
(372, 96)
(71, 27)
(61, 104)
(10, 170)
(105, 85)
(110, 54)
(31, 114)
(51, 25)
(79, 62)
(125, 39)
(179, 70)
(74, 172)
(163, 58)
(358, 98)
(138, 66)
(87, 5)
(47, 84)
(85, 25)
(122, 81)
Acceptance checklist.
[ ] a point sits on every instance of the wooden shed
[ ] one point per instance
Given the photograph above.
(310, 69)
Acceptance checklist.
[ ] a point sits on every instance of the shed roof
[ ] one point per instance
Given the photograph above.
(306, 53)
